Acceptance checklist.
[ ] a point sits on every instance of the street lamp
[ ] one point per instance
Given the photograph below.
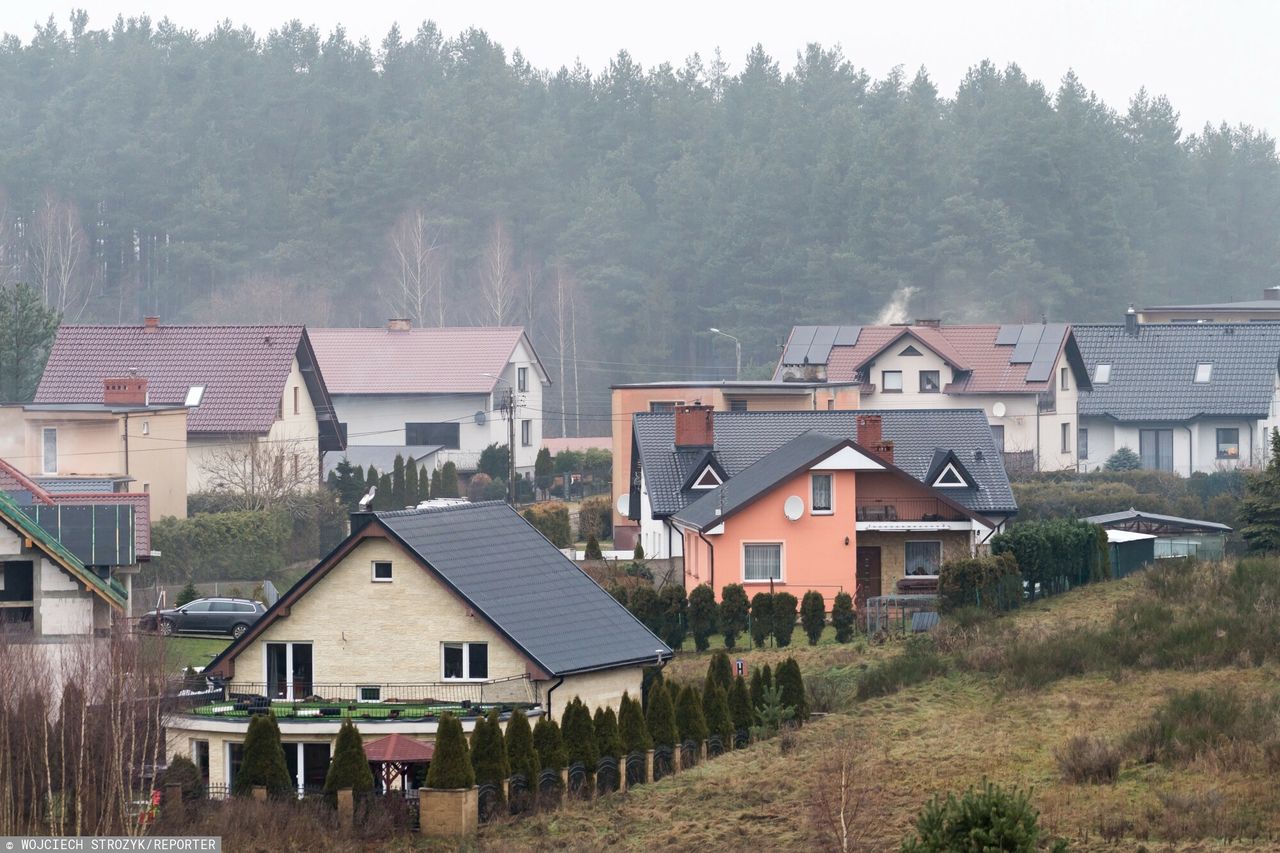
(737, 349)
(509, 405)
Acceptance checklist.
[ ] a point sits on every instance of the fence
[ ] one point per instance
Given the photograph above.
(893, 612)
(517, 689)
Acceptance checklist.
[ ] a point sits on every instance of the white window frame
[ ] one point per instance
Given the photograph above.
(363, 687)
(44, 450)
(831, 492)
(526, 433)
(373, 571)
(884, 382)
(782, 562)
(465, 645)
(1102, 374)
(522, 379)
(941, 553)
(1204, 368)
(288, 666)
(1064, 373)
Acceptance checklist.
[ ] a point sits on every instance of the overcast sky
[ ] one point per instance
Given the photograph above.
(1215, 60)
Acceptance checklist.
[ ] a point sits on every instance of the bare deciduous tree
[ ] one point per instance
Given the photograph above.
(417, 288)
(840, 797)
(265, 298)
(263, 474)
(58, 249)
(499, 288)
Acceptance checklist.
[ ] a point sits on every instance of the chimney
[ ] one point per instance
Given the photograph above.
(150, 323)
(932, 324)
(1271, 294)
(127, 391)
(1131, 321)
(871, 436)
(399, 324)
(695, 426)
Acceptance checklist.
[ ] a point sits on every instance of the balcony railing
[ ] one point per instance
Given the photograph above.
(906, 509)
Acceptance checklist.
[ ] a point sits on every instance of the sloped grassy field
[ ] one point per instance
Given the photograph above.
(1168, 680)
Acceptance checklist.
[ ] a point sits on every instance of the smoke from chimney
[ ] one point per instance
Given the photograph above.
(896, 310)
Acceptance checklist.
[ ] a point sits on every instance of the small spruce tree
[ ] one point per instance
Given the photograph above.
(549, 744)
(715, 709)
(182, 771)
(784, 618)
(522, 758)
(489, 753)
(608, 736)
(702, 616)
(813, 616)
(263, 760)
(691, 723)
(349, 767)
(1123, 459)
(734, 614)
(740, 706)
(593, 551)
(451, 764)
(673, 605)
(638, 552)
(660, 719)
(579, 736)
(631, 726)
(761, 618)
(843, 618)
(720, 670)
(187, 595)
(790, 682)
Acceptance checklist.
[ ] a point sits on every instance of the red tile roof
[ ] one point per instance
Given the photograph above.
(399, 748)
(243, 369)
(447, 360)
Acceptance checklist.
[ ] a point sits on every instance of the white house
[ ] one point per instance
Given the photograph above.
(444, 387)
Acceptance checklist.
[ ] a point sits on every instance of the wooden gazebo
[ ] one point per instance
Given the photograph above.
(395, 756)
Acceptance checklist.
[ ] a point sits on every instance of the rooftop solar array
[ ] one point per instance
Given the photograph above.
(812, 344)
(1034, 345)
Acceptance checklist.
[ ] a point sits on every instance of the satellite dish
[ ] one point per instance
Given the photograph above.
(624, 505)
(793, 507)
(998, 410)
(481, 417)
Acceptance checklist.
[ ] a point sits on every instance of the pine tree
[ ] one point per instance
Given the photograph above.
(608, 735)
(791, 684)
(522, 758)
(27, 330)
(1260, 508)
(740, 706)
(761, 618)
(673, 604)
(690, 721)
(660, 719)
(448, 482)
(411, 483)
(715, 708)
(784, 618)
(720, 670)
(399, 495)
(632, 727)
(188, 594)
(451, 764)
(549, 744)
(702, 616)
(813, 616)
(843, 618)
(349, 767)
(263, 761)
(489, 753)
(734, 615)
(579, 736)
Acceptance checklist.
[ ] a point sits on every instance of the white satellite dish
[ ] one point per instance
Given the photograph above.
(624, 505)
(793, 507)
(998, 410)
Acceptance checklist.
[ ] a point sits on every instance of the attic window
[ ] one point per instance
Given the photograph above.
(1204, 372)
(709, 479)
(194, 395)
(950, 478)
(910, 350)
(1102, 374)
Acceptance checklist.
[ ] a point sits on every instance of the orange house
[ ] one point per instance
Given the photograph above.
(828, 514)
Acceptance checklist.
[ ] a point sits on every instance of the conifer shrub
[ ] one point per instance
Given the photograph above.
(549, 744)
(489, 754)
(592, 551)
(734, 614)
(843, 618)
(552, 521)
(989, 818)
(638, 553)
(621, 595)
(784, 618)
(673, 604)
(702, 616)
(660, 718)
(791, 685)
(715, 709)
(740, 708)
(691, 724)
(608, 735)
(349, 767)
(646, 607)
(448, 482)
(813, 616)
(579, 735)
(522, 758)
(720, 670)
(761, 618)
(182, 771)
(451, 764)
(187, 595)
(632, 727)
(263, 762)
(771, 714)
(761, 680)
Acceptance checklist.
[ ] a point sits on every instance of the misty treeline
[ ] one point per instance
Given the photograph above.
(618, 212)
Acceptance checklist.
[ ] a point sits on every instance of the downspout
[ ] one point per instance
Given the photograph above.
(551, 690)
(126, 444)
(1191, 451)
(711, 553)
(1252, 443)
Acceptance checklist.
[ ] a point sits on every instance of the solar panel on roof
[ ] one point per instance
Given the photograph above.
(1031, 333)
(1039, 371)
(847, 336)
(820, 349)
(1007, 336)
(798, 346)
(1023, 353)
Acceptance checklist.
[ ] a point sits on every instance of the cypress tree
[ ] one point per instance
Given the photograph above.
(398, 493)
(702, 616)
(411, 483)
(489, 753)
(813, 616)
(370, 479)
(673, 605)
(784, 618)
(843, 618)
(660, 719)
(437, 489)
(522, 758)
(740, 706)
(263, 762)
(720, 670)
(451, 764)
(715, 708)
(448, 481)
(690, 721)
(384, 498)
(608, 736)
(791, 685)
(579, 736)
(592, 551)
(424, 484)
(734, 614)
(761, 617)
(631, 726)
(349, 767)
(757, 687)
(549, 744)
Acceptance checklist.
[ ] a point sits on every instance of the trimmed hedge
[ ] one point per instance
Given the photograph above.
(522, 758)
(989, 582)
(843, 618)
(813, 615)
(631, 725)
(595, 517)
(734, 613)
(552, 521)
(660, 719)
(263, 762)
(451, 764)
(223, 545)
(1055, 556)
(761, 617)
(784, 618)
(691, 723)
(349, 767)
(702, 616)
(489, 753)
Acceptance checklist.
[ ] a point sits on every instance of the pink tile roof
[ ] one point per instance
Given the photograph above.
(243, 369)
(447, 360)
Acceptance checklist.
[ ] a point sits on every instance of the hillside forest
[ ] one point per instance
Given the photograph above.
(618, 212)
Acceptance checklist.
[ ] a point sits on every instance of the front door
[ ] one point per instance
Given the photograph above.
(868, 575)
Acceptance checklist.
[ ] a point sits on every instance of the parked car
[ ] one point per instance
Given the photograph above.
(231, 616)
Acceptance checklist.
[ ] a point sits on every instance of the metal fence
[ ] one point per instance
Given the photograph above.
(514, 689)
(893, 612)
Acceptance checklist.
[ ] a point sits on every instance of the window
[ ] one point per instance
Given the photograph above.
(244, 608)
(370, 694)
(1204, 372)
(443, 434)
(1082, 443)
(737, 405)
(526, 433)
(1066, 383)
(923, 558)
(821, 503)
(288, 667)
(194, 395)
(891, 381)
(929, 382)
(708, 479)
(1066, 438)
(910, 351)
(296, 409)
(200, 755)
(762, 561)
(664, 405)
(49, 461)
(1228, 444)
(522, 379)
(1102, 374)
(381, 571)
(223, 607)
(466, 660)
(146, 427)
(1155, 449)
(997, 433)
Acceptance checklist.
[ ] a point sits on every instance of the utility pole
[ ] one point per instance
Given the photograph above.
(737, 351)
(511, 445)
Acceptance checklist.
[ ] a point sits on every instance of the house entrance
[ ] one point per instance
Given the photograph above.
(867, 575)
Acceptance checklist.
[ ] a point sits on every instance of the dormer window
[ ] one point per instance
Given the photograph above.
(1204, 372)
(708, 479)
(1102, 374)
(950, 478)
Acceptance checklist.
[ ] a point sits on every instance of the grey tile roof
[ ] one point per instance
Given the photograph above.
(1152, 370)
(742, 438)
(522, 584)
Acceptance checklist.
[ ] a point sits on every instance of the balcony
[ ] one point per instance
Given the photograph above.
(906, 509)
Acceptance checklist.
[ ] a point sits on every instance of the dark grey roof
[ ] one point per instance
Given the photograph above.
(1133, 515)
(525, 587)
(742, 438)
(1152, 370)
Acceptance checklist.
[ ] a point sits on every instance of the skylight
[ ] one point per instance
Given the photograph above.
(1102, 374)
(194, 395)
(1204, 372)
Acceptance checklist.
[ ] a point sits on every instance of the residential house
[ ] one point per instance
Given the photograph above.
(1026, 378)
(1248, 311)
(445, 387)
(1185, 397)
(254, 395)
(722, 396)
(955, 494)
(464, 607)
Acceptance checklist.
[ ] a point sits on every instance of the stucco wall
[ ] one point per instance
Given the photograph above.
(597, 689)
(1194, 443)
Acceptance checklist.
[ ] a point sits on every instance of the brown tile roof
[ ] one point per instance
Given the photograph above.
(242, 368)
(447, 360)
(12, 480)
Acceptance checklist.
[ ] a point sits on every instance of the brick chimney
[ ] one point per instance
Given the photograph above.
(126, 391)
(1131, 320)
(399, 324)
(871, 436)
(150, 323)
(695, 426)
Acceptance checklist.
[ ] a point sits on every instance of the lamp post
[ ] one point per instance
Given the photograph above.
(737, 350)
(509, 406)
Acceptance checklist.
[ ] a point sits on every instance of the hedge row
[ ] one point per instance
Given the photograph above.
(552, 521)
(1055, 556)
(223, 545)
